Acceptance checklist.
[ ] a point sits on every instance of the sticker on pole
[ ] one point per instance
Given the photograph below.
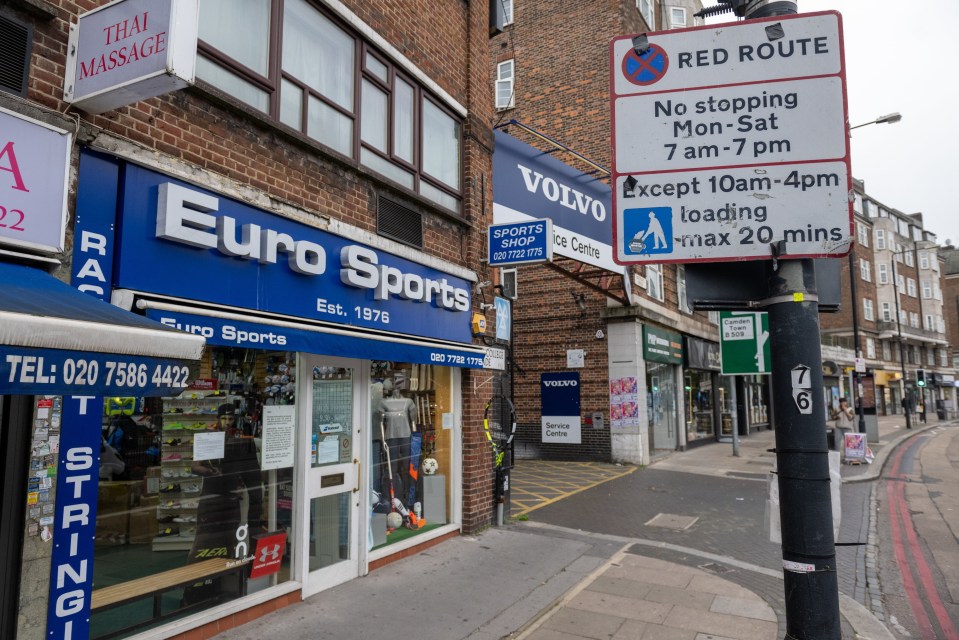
(802, 388)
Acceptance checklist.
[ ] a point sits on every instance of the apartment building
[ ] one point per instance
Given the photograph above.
(892, 288)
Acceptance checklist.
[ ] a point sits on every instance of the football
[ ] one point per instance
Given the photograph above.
(394, 520)
(430, 466)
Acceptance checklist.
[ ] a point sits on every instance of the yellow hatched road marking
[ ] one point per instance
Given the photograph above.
(540, 472)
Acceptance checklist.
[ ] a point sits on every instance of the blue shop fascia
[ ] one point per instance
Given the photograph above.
(247, 420)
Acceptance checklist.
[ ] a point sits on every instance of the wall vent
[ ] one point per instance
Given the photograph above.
(15, 41)
(398, 222)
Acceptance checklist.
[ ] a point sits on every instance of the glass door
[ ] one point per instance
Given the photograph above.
(331, 447)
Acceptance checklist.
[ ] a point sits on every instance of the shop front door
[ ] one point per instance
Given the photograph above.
(331, 446)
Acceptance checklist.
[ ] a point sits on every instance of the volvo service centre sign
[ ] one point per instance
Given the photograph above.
(729, 140)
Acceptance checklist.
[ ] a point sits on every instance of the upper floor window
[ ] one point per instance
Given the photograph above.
(505, 97)
(923, 260)
(681, 289)
(882, 270)
(862, 233)
(867, 309)
(911, 287)
(323, 80)
(677, 17)
(886, 312)
(865, 270)
(507, 11)
(870, 348)
(654, 281)
(909, 259)
(926, 289)
(880, 239)
(646, 10)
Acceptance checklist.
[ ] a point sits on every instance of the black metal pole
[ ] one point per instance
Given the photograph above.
(902, 353)
(802, 455)
(854, 305)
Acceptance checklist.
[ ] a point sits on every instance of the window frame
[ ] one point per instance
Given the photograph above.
(868, 309)
(507, 11)
(657, 271)
(672, 22)
(648, 13)
(511, 104)
(272, 86)
(681, 298)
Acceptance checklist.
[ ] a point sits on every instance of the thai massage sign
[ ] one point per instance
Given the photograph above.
(130, 50)
(34, 163)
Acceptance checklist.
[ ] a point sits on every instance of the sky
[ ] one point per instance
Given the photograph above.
(905, 61)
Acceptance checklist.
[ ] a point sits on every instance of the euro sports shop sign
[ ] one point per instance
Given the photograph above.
(730, 142)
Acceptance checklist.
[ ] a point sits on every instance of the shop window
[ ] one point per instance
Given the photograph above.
(356, 102)
(411, 451)
(184, 499)
(699, 400)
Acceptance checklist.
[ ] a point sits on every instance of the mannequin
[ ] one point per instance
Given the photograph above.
(398, 420)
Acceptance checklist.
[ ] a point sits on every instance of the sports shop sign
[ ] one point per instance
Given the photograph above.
(529, 185)
(255, 260)
(729, 138)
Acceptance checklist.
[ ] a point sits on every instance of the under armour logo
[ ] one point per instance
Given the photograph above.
(271, 553)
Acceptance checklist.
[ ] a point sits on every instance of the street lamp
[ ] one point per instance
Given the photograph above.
(886, 119)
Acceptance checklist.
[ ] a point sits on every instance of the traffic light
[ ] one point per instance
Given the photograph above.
(920, 378)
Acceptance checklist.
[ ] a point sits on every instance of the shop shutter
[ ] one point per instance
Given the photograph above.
(15, 40)
(399, 222)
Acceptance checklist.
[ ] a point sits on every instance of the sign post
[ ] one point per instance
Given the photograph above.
(742, 154)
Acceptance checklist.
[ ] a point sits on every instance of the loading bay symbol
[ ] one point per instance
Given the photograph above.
(647, 68)
(649, 230)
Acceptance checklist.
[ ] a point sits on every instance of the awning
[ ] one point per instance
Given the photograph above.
(236, 329)
(55, 339)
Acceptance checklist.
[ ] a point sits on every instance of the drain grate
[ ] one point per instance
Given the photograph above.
(672, 521)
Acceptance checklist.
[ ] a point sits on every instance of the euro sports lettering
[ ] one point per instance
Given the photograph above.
(187, 217)
(361, 269)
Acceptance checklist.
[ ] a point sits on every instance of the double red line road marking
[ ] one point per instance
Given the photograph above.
(912, 561)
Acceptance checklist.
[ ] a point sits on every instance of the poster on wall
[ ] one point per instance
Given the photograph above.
(560, 399)
(624, 402)
(279, 437)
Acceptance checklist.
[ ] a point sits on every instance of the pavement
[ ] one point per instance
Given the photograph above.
(535, 581)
